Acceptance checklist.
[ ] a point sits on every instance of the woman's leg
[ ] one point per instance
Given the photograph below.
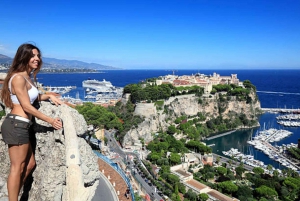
(18, 155)
(29, 166)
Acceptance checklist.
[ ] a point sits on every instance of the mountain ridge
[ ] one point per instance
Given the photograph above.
(63, 63)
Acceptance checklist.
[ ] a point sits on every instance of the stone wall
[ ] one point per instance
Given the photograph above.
(53, 178)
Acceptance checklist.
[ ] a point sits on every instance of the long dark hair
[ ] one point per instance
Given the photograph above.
(19, 64)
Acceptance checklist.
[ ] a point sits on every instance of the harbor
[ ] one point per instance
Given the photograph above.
(266, 149)
(54, 89)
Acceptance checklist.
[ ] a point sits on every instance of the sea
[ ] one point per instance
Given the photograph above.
(275, 89)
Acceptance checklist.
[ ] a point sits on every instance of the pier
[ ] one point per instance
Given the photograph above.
(281, 110)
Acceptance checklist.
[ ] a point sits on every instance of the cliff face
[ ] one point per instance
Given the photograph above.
(156, 120)
(51, 179)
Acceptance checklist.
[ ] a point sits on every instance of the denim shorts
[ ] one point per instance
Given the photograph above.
(15, 129)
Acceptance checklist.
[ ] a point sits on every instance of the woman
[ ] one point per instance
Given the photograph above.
(19, 93)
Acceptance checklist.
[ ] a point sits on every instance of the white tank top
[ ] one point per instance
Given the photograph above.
(32, 92)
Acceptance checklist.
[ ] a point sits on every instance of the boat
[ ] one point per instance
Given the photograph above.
(101, 91)
(99, 86)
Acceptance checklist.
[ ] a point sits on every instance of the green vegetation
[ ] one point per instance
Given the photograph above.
(241, 94)
(294, 152)
(119, 117)
(125, 114)
(251, 186)
(99, 116)
(152, 92)
(162, 144)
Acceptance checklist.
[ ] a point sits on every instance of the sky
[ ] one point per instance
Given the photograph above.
(158, 34)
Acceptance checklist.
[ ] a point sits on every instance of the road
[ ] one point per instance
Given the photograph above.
(114, 146)
(103, 191)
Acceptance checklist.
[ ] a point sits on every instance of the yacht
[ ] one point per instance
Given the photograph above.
(99, 86)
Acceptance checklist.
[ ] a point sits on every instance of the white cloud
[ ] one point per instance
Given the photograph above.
(2, 47)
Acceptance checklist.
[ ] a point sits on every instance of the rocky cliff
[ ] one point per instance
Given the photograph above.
(66, 167)
(189, 105)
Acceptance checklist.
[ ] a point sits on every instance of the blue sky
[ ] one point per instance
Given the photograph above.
(158, 33)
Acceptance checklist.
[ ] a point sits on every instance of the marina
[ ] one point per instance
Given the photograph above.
(248, 159)
(54, 89)
(289, 120)
(266, 145)
(289, 123)
(261, 141)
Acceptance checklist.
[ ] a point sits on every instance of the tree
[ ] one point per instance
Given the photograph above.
(239, 171)
(181, 188)
(221, 170)
(244, 191)
(175, 158)
(292, 183)
(173, 179)
(228, 186)
(190, 195)
(258, 170)
(265, 191)
(98, 116)
(171, 130)
(275, 173)
(203, 197)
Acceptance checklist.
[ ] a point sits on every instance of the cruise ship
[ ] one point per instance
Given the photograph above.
(98, 86)
(101, 91)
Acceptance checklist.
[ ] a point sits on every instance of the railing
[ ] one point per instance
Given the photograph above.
(119, 170)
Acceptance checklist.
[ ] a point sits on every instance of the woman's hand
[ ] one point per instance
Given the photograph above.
(56, 123)
(55, 100)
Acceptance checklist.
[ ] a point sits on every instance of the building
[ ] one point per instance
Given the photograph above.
(205, 81)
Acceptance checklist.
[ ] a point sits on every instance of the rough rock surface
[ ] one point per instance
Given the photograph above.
(156, 120)
(48, 181)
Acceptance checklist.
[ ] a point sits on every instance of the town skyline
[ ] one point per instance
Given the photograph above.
(154, 35)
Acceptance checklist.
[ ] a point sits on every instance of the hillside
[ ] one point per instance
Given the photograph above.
(63, 64)
(5, 59)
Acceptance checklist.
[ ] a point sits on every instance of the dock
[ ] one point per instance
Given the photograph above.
(281, 110)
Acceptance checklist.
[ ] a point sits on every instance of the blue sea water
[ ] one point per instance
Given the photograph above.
(276, 89)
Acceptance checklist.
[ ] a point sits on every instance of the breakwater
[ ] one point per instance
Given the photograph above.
(220, 135)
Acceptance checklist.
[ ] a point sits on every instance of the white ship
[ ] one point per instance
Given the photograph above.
(101, 91)
(99, 86)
